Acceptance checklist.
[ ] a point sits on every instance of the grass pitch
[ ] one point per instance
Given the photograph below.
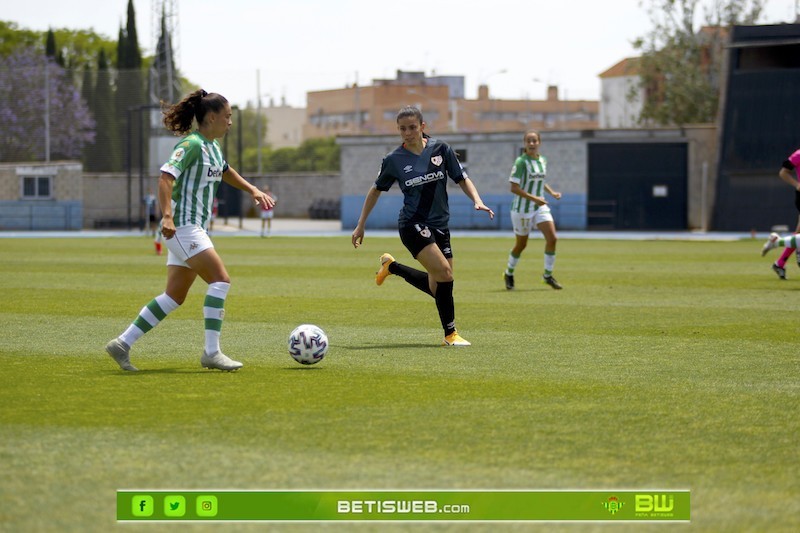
(661, 364)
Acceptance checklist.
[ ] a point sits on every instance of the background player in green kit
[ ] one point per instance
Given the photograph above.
(421, 166)
(186, 191)
(529, 209)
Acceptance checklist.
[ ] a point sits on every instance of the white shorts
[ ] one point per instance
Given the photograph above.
(187, 242)
(267, 214)
(524, 223)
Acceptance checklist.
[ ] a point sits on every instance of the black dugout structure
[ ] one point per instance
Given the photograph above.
(760, 127)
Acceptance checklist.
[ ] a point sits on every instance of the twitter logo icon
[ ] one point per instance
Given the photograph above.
(174, 506)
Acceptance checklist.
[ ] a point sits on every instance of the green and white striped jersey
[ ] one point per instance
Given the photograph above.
(197, 165)
(530, 174)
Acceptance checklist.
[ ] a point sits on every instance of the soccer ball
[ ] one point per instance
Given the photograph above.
(308, 344)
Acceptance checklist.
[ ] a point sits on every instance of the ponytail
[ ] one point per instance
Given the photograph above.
(179, 118)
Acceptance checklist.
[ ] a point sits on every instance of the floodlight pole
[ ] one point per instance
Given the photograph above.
(258, 119)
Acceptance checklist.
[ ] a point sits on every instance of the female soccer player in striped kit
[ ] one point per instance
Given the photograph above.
(785, 173)
(186, 191)
(529, 209)
(421, 166)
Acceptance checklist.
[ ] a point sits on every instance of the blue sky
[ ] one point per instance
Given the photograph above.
(516, 47)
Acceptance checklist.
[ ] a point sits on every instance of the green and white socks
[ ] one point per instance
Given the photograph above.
(149, 317)
(214, 313)
(549, 263)
(159, 307)
(512, 263)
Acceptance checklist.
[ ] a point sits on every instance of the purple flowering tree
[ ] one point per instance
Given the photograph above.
(23, 108)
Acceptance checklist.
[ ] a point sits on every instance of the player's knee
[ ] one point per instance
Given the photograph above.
(445, 275)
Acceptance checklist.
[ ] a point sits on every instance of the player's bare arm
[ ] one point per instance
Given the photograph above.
(786, 175)
(551, 192)
(233, 178)
(165, 183)
(366, 209)
(469, 189)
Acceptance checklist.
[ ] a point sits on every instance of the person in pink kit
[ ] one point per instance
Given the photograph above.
(775, 240)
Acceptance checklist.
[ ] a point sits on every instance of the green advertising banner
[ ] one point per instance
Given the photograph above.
(398, 505)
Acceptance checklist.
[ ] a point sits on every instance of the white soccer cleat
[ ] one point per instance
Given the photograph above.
(120, 352)
(771, 243)
(219, 361)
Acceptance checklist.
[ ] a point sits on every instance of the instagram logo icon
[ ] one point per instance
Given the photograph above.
(206, 506)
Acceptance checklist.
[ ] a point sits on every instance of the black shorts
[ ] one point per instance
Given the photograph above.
(418, 236)
(797, 200)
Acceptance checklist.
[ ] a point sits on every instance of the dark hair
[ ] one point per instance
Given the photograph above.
(538, 136)
(178, 118)
(409, 111)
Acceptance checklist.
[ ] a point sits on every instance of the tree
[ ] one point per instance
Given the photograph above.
(50, 49)
(13, 37)
(130, 91)
(246, 121)
(680, 67)
(71, 49)
(87, 94)
(313, 155)
(32, 85)
(104, 154)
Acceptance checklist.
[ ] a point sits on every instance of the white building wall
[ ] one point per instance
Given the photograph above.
(616, 110)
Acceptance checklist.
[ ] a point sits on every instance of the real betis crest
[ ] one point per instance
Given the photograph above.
(613, 505)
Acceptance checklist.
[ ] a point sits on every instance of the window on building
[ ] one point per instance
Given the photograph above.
(37, 187)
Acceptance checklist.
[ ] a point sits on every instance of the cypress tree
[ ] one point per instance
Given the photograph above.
(107, 141)
(130, 92)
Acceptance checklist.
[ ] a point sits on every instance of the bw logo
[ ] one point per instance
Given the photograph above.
(658, 503)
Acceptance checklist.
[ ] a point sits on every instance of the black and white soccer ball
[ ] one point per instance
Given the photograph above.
(308, 344)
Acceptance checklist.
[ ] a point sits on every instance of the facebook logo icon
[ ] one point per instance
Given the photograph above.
(142, 505)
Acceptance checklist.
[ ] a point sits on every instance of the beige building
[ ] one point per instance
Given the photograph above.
(372, 109)
(284, 125)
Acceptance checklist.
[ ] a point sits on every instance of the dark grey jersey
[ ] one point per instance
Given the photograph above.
(423, 180)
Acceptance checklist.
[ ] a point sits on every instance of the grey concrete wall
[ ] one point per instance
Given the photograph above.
(106, 196)
(489, 160)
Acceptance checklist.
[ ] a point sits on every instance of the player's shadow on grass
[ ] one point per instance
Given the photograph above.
(160, 371)
(387, 346)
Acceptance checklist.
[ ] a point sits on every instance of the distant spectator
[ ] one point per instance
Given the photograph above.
(150, 204)
(267, 212)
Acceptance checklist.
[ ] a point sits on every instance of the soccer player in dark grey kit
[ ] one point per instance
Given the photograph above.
(421, 167)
